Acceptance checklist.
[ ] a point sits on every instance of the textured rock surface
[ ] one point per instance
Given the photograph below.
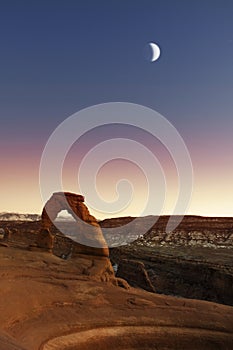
(193, 261)
(192, 272)
(135, 272)
(18, 217)
(199, 273)
(212, 232)
(52, 304)
(86, 228)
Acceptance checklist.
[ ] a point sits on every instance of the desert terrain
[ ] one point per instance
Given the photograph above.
(193, 261)
(69, 300)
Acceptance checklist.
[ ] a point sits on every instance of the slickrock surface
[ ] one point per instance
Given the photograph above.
(48, 303)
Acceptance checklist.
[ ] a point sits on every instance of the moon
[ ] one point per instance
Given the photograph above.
(155, 52)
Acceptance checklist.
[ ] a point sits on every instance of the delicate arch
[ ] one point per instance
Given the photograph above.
(74, 204)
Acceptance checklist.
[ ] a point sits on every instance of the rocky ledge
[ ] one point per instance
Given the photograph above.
(193, 261)
(190, 272)
(49, 303)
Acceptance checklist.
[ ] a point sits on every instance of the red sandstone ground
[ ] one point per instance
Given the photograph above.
(48, 303)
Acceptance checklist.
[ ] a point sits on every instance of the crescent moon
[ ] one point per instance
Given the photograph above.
(155, 51)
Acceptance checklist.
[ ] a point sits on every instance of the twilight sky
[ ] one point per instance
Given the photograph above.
(60, 56)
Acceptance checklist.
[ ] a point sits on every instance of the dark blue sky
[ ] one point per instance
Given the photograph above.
(60, 56)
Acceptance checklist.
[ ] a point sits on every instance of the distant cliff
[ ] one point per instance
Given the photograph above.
(193, 231)
(19, 217)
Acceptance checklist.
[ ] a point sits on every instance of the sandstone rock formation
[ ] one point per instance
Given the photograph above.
(193, 231)
(197, 273)
(135, 273)
(51, 303)
(48, 303)
(87, 229)
(5, 236)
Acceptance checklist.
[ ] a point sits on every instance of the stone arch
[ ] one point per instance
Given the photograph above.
(95, 243)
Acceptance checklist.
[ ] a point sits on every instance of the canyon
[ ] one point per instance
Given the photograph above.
(69, 298)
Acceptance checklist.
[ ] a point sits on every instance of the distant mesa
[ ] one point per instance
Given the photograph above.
(91, 236)
(18, 217)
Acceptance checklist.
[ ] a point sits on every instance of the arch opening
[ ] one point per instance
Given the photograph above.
(89, 236)
(64, 216)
